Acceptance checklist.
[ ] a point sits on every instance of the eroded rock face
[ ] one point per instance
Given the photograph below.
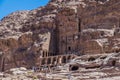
(96, 61)
(62, 26)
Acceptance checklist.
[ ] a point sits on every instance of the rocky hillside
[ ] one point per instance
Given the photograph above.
(21, 29)
(29, 31)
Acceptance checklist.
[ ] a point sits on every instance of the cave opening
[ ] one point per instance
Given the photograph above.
(69, 48)
(91, 59)
(74, 68)
(113, 63)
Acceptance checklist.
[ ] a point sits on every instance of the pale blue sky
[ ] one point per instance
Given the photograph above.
(9, 6)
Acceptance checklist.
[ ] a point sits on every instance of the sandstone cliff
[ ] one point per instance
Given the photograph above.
(27, 33)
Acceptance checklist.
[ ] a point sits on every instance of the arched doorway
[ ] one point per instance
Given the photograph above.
(43, 61)
(68, 58)
(49, 61)
(54, 60)
(64, 59)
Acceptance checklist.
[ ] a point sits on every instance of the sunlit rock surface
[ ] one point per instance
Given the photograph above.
(24, 35)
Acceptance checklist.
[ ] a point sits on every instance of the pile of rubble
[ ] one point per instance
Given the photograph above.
(20, 74)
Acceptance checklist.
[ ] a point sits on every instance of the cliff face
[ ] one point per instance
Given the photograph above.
(95, 24)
